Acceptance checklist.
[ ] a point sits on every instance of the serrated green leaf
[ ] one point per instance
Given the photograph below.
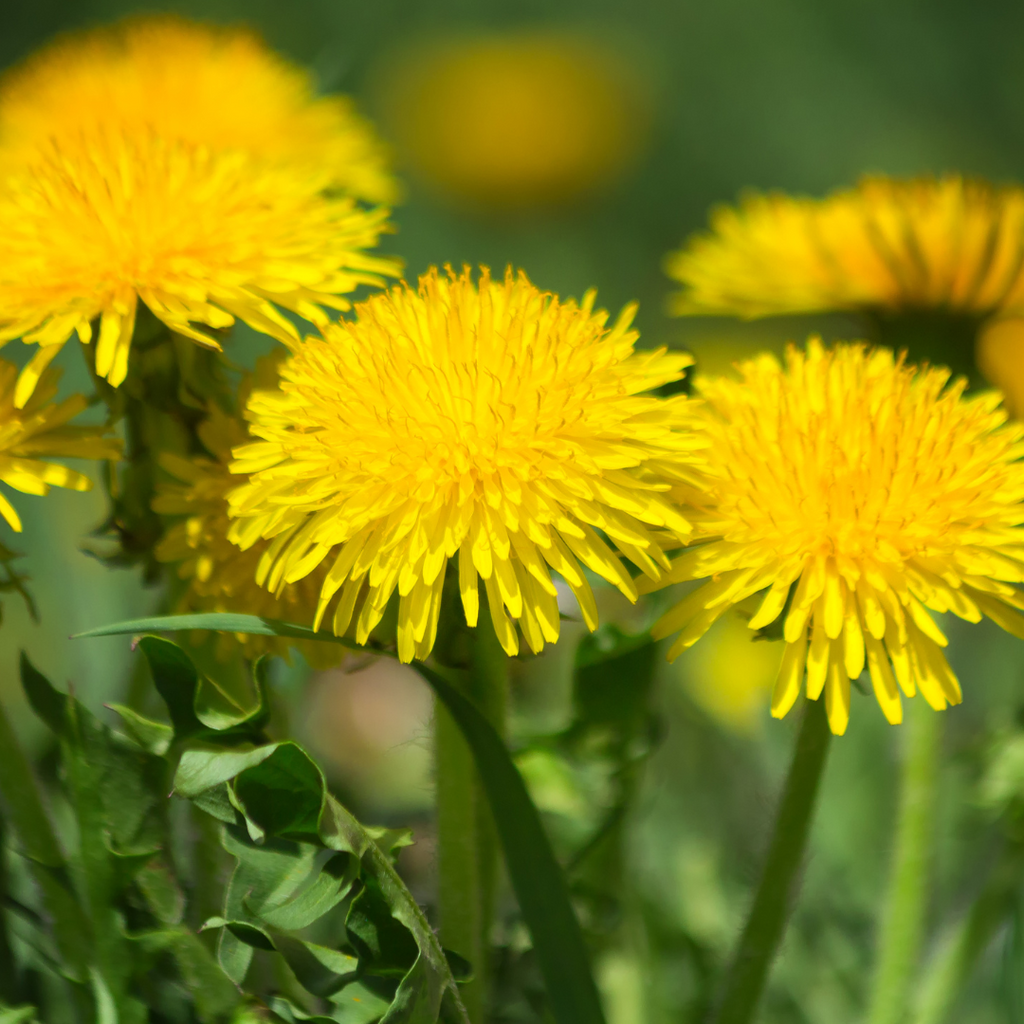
(196, 703)
(213, 991)
(319, 969)
(327, 890)
(284, 793)
(161, 890)
(382, 941)
(38, 842)
(202, 769)
(18, 1015)
(265, 875)
(536, 876)
(153, 737)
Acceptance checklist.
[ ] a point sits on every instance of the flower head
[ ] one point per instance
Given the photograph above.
(889, 244)
(39, 430)
(219, 576)
(98, 224)
(179, 166)
(198, 85)
(485, 419)
(861, 492)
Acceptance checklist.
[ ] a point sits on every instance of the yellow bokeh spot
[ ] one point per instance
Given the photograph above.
(515, 120)
(1000, 357)
(731, 675)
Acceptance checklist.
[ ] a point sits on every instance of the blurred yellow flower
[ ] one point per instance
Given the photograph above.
(196, 84)
(104, 202)
(730, 676)
(515, 119)
(862, 492)
(487, 419)
(220, 577)
(894, 244)
(40, 429)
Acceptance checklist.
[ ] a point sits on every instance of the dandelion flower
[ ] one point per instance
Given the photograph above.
(199, 85)
(887, 244)
(97, 224)
(219, 576)
(518, 119)
(484, 419)
(29, 435)
(864, 494)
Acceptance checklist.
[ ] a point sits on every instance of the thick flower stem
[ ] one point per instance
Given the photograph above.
(748, 972)
(468, 854)
(899, 944)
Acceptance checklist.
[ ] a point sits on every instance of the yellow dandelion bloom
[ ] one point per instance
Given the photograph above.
(862, 493)
(219, 576)
(97, 224)
(200, 85)
(516, 119)
(485, 419)
(29, 435)
(942, 243)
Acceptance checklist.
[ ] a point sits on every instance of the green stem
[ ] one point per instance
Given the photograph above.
(468, 850)
(748, 972)
(899, 944)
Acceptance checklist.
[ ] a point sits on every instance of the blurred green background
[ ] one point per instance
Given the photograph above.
(794, 95)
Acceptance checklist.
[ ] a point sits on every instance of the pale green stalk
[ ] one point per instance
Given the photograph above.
(906, 905)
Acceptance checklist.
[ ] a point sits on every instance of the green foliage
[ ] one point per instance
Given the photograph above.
(315, 922)
(271, 787)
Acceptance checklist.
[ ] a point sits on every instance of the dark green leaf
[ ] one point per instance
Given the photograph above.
(382, 941)
(161, 890)
(213, 991)
(284, 793)
(327, 890)
(153, 737)
(203, 769)
(319, 969)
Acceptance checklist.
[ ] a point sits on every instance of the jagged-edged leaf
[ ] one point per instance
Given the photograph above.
(536, 875)
(319, 969)
(326, 891)
(18, 1015)
(154, 737)
(161, 890)
(196, 703)
(213, 991)
(204, 768)
(264, 875)
(383, 942)
(283, 793)
(112, 789)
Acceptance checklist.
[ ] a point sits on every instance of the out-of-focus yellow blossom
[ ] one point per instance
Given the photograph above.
(199, 85)
(40, 430)
(515, 119)
(731, 677)
(1000, 356)
(220, 576)
(861, 493)
(118, 199)
(921, 243)
(485, 419)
